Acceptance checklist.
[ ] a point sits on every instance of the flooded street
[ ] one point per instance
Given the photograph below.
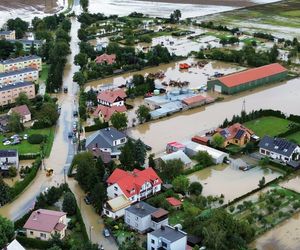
(230, 181)
(182, 126)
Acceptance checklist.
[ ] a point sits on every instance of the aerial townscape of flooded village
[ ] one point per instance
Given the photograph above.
(150, 124)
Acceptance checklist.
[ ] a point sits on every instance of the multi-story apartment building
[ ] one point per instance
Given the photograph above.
(19, 63)
(23, 75)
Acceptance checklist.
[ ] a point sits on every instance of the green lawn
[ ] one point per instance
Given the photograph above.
(295, 137)
(26, 148)
(44, 72)
(270, 125)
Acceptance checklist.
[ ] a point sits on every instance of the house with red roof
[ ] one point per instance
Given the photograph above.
(248, 79)
(174, 202)
(236, 134)
(105, 58)
(23, 111)
(135, 185)
(43, 223)
(109, 102)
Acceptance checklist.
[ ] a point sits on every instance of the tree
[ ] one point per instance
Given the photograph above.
(175, 16)
(69, 204)
(218, 140)
(84, 5)
(143, 113)
(171, 169)
(4, 192)
(119, 120)
(140, 152)
(195, 188)
(79, 78)
(151, 162)
(181, 184)
(262, 182)
(127, 156)
(6, 231)
(203, 158)
(23, 99)
(14, 122)
(81, 59)
(98, 195)
(20, 26)
(48, 114)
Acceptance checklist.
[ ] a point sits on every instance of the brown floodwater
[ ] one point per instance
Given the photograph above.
(230, 181)
(196, 76)
(182, 126)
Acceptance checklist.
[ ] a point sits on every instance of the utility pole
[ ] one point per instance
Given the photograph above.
(244, 106)
(65, 175)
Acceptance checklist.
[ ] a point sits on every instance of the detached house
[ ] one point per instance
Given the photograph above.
(107, 140)
(105, 58)
(23, 111)
(109, 102)
(143, 217)
(43, 223)
(8, 158)
(280, 149)
(236, 134)
(135, 185)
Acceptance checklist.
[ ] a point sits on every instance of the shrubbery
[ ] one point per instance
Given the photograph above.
(36, 139)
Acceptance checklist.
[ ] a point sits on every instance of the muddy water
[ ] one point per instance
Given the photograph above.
(195, 75)
(230, 181)
(283, 96)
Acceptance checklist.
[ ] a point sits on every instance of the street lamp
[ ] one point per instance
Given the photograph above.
(91, 227)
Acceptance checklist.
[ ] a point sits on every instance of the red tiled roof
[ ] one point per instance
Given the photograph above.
(111, 95)
(107, 112)
(109, 59)
(232, 130)
(59, 226)
(44, 220)
(200, 138)
(174, 202)
(194, 99)
(21, 110)
(131, 182)
(176, 144)
(252, 75)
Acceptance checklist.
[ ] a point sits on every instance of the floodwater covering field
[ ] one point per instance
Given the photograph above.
(230, 181)
(196, 76)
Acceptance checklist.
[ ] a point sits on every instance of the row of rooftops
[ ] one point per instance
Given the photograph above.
(18, 72)
(9, 86)
(20, 59)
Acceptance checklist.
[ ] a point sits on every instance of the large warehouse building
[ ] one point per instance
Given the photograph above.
(248, 79)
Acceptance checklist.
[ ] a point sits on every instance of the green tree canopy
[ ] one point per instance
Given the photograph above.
(6, 231)
(181, 184)
(171, 169)
(218, 140)
(14, 122)
(195, 188)
(119, 120)
(143, 113)
(69, 204)
(204, 158)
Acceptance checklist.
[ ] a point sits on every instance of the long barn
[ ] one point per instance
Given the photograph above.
(248, 79)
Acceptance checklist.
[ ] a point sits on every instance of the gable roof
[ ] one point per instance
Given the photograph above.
(14, 245)
(177, 155)
(109, 59)
(5, 87)
(107, 112)
(173, 201)
(8, 153)
(194, 99)
(45, 221)
(22, 110)
(110, 95)
(141, 209)
(278, 145)
(18, 72)
(131, 182)
(169, 233)
(251, 75)
(104, 138)
(236, 131)
(20, 59)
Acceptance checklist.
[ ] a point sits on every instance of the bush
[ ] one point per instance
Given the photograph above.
(12, 171)
(195, 188)
(36, 139)
(33, 243)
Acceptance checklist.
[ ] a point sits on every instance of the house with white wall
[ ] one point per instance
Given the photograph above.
(115, 208)
(8, 158)
(135, 185)
(168, 238)
(143, 217)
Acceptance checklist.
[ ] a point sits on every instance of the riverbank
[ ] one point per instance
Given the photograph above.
(48, 6)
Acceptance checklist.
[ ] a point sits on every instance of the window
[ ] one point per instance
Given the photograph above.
(236, 141)
(116, 188)
(164, 244)
(152, 248)
(31, 232)
(43, 235)
(152, 241)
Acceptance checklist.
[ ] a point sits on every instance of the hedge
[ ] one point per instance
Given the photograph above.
(33, 243)
(29, 156)
(96, 127)
(36, 139)
(19, 187)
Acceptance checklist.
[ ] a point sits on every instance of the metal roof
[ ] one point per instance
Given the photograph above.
(20, 59)
(8, 153)
(8, 86)
(141, 209)
(17, 72)
(177, 155)
(169, 233)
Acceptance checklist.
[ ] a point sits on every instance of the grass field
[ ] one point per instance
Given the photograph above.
(270, 125)
(44, 72)
(295, 137)
(26, 148)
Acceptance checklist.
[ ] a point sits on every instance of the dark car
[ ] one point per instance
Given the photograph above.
(65, 90)
(70, 134)
(75, 113)
(106, 232)
(87, 200)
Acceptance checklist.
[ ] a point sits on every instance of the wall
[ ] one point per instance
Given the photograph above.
(141, 224)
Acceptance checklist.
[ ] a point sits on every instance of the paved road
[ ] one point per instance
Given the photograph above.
(61, 156)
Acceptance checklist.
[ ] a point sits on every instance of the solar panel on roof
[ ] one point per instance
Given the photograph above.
(239, 134)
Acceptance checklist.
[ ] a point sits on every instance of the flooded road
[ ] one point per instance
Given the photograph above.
(230, 181)
(182, 126)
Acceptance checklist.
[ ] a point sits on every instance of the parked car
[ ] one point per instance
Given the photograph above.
(25, 137)
(101, 247)
(14, 136)
(75, 113)
(87, 200)
(5, 139)
(6, 143)
(70, 134)
(106, 232)
(15, 142)
(65, 89)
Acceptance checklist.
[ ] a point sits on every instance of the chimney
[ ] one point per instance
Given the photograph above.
(162, 228)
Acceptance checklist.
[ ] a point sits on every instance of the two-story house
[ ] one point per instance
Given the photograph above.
(108, 140)
(279, 149)
(8, 158)
(43, 223)
(143, 217)
(7, 35)
(167, 238)
(23, 111)
(236, 134)
(135, 185)
(21, 63)
(109, 102)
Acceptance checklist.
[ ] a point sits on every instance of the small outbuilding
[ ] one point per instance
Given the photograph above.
(175, 203)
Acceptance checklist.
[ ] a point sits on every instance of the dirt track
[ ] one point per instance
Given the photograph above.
(41, 5)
